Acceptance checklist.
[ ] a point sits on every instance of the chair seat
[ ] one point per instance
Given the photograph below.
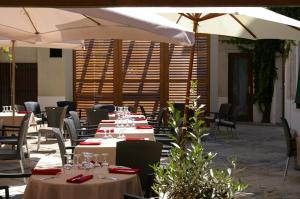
(10, 141)
(8, 154)
(227, 123)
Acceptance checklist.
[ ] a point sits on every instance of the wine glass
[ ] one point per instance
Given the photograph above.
(96, 158)
(87, 160)
(68, 165)
(104, 162)
(76, 160)
(105, 133)
(108, 132)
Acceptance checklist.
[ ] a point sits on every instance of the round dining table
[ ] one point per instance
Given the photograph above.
(103, 185)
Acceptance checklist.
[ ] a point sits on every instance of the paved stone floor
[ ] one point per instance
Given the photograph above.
(258, 149)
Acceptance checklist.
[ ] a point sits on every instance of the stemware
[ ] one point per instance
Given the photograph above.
(87, 160)
(96, 159)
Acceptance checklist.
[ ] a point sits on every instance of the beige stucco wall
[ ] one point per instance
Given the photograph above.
(23, 55)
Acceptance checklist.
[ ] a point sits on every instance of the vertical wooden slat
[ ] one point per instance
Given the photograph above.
(117, 73)
(164, 74)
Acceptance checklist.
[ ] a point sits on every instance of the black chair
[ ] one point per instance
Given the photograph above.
(94, 116)
(13, 140)
(17, 153)
(140, 154)
(71, 106)
(55, 117)
(36, 109)
(20, 107)
(80, 127)
(10, 176)
(230, 122)
(291, 149)
(151, 116)
(109, 107)
(74, 137)
(61, 144)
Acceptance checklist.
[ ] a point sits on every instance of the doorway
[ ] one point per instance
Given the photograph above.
(240, 89)
(26, 83)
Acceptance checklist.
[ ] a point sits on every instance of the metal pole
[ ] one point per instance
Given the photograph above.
(13, 80)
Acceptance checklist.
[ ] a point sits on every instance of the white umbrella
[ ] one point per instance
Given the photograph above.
(63, 25)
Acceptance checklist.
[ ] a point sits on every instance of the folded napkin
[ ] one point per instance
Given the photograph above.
(52, 171)
(24, 112)
(107, 121)
(89, 143)
(103, 131)
(139, 119)
(123, 170)
(144, 127)
(111, 113)
(132, 138)
(79, 178)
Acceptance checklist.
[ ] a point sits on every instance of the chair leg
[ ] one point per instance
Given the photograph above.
(7, 193)
(286, 167)
(22, 165)
(39, 140)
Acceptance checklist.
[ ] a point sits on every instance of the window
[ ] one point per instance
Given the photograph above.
(55, 52)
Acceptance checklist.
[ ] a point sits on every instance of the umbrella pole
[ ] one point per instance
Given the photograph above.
(13, 83)
(188, 87)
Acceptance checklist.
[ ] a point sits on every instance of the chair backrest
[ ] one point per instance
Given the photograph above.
(139, 154)
(22, 134)
(70, 104)
(143, 110)
(55, 116)
(94, 116)
(20, 107)
(61, 144)
(224, 111)
(109, 107)
(76, 119)
(160, 116)
(288, 137)
(69, 124)
(33, 107)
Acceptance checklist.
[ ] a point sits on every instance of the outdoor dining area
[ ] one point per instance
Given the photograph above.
(139, 117)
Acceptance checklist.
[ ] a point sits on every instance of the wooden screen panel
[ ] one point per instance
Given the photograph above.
(178, 71)
(141, 70)
(93, 74)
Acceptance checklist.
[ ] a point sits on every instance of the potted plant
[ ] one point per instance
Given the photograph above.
(190, 173)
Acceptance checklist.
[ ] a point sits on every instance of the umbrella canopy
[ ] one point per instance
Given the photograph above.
(68, 45)
(62, 25)
(243, 22)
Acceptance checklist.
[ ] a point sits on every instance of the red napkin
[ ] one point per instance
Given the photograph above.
(52, 171)
(79, 178)
(123, 170)
(128, 139)
(111, 113)
(144, 127)
(103, 131)
(107, 121)
(139, 119)
(24, 112)
(89, 143)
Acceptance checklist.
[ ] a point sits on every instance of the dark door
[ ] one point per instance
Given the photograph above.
(240, 85)
(26, 83)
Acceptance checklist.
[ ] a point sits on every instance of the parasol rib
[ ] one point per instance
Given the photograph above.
(27, 14)
(249, 31)
(93, 20)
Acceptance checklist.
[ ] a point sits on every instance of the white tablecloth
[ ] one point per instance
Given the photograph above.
(129, 133)
(97, 187)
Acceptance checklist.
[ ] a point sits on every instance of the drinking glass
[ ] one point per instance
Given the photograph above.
(76, 161)
(87, 160)
(105, 133)
(96, 158)
(68, 166)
